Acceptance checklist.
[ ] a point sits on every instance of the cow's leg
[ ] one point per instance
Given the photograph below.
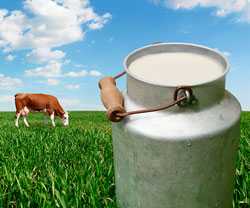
(18, 111)
(18, 114)
(25, 113)
(25, 121)
(51, 113)
(52, 117)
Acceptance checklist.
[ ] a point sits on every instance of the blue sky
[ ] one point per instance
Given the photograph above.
(63, 47)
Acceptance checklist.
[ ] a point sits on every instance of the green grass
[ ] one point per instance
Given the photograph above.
(242, 186)
(61, 167)
(73, 167)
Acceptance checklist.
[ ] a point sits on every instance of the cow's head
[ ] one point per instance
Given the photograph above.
(65, 119)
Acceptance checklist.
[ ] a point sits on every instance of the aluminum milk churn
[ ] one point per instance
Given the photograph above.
(175, 130)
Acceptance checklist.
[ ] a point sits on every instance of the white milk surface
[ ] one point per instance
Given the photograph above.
(176, 69)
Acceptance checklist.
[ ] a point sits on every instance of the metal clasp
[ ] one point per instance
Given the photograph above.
(185, 92)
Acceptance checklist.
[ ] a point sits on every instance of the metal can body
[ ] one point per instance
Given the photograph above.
(177, 158)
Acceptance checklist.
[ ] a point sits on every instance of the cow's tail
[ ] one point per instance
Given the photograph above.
(18, 94)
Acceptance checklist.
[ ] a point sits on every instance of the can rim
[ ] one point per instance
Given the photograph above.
(218, 53)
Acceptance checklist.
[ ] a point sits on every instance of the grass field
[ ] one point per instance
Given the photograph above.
(73, 167)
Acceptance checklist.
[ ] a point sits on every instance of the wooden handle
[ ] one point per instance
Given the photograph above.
(111, 98)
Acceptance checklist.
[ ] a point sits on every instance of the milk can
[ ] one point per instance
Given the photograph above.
(175, 130)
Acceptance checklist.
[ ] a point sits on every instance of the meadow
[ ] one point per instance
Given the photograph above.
(43, 166)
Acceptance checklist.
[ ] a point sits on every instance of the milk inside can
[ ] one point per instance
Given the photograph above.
(175, 128)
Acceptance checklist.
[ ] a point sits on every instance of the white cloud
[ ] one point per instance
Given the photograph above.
(45, 24)
(9, 82)
(53, 82)
(83, 73)
(7, 102)
(52, 23)
(223, 7)
(95, 73)
(79, 65)
(100, 21)
(3, 12)
(73, 74)
(9, 57)
(67, 61)
(43, 55)
(71, 103)
(72, 86)
(12, 27)
(6, 98)
(52, 69)
(226, 53)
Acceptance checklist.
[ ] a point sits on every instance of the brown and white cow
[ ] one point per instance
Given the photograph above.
(48, 104)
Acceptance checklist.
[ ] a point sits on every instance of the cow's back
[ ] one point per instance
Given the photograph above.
(40, 101)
